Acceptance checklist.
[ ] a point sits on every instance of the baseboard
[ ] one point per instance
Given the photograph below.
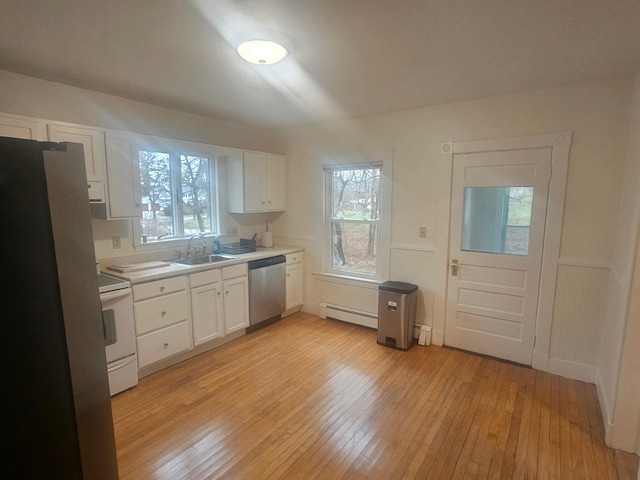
(576, 371)
(437, 337)
(312, 308)
(291, 311)
(605, 409)
(540, 362)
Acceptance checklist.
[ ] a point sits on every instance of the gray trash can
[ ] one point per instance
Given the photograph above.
(397, 314)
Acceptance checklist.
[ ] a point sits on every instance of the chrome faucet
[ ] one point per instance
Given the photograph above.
(200, 250)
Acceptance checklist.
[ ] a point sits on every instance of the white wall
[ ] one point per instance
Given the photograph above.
(596, 112)
(618, 378)
(22, 95)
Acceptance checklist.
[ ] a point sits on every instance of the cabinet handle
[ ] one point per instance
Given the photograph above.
(165, 345)
(163, 313)
(288, 274)
(162, 288)
(227, 292)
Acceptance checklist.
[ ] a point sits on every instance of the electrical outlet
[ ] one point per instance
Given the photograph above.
(116, 242)
(423, 232)
(232, 231)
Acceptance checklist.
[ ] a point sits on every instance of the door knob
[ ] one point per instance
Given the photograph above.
(454, 267)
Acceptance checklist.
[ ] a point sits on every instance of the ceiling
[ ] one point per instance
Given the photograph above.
(347, 57)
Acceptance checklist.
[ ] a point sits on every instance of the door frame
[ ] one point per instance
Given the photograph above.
(560, 144)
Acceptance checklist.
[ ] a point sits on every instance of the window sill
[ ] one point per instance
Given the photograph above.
(348, 280)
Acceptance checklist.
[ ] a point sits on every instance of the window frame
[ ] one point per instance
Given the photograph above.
(176, 149)
(378, 159)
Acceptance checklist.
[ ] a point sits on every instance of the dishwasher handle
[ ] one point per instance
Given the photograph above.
(266, 262)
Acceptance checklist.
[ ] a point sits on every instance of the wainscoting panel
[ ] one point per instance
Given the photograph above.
(417, 267)
(581, 292)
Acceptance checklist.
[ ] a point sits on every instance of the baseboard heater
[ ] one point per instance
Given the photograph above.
(350, 315)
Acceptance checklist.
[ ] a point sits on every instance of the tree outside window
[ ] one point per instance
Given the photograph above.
(177, 194)
(354, 210)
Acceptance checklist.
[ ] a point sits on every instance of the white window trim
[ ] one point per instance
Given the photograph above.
(182, 147)
(384, 234)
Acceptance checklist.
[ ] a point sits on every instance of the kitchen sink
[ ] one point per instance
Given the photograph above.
(204, 259)
(221, 258)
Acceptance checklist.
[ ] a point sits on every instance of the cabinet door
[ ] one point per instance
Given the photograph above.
(254, 182)
(294, 285)
(93, 141)
(123, 177)
(207, 313)
(275, 181)
(236, 304)
(15, 126)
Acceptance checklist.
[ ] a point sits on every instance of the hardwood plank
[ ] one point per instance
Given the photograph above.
(307, 398)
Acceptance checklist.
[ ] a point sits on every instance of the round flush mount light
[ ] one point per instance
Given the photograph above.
(262, 52)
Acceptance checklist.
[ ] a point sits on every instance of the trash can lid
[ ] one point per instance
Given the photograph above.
(398, 287)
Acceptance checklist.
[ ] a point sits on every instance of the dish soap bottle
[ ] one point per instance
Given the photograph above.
(216, 245)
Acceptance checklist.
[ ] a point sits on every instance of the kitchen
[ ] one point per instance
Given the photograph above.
(588, 339)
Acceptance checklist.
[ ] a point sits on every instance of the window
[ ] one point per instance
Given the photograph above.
(353, 211)
(178, 193)
(497, 219)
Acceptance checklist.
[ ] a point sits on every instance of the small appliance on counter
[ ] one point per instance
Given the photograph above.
(267, 239)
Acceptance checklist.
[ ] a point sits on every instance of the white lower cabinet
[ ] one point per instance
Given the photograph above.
(236, 297)
(163, 343)
(207, 313)
(294, 280)
(161, 313)
(219, 302)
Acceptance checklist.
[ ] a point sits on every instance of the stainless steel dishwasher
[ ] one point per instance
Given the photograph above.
(267, 289)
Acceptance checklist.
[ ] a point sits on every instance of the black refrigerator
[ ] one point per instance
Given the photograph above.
(58, 422)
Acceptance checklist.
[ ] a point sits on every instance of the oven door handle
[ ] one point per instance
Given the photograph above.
(106, 297)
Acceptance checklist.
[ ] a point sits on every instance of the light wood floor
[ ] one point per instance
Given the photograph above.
(307, 398)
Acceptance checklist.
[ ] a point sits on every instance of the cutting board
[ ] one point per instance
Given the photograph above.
(136, 267)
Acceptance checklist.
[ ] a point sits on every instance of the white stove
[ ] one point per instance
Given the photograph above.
(119, 332)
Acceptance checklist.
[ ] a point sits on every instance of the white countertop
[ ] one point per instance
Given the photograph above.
(174, 269)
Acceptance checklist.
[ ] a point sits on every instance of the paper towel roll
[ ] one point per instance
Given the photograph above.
(267, 239)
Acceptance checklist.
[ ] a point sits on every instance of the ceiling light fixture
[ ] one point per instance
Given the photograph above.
(262, 52)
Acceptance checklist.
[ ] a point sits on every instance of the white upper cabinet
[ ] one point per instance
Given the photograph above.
(16, 126)
(94, 154)
(256, 183)
(123, 177)
(275, 180)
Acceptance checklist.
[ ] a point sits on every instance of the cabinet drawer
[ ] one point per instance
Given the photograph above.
(159, 312)
(233, 271)
(204, 278)
(159, 287)
(161, 344)
(294, 258)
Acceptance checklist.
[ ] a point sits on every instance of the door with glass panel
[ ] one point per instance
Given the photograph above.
(498, 209)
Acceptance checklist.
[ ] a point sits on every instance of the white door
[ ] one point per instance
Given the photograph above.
(498, 210)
